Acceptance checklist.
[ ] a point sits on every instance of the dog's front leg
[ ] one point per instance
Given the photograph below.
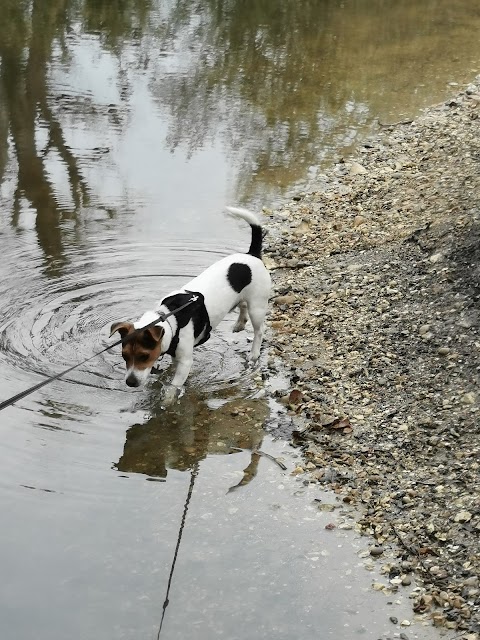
(172, 391)
(183, 360)
(182, 369)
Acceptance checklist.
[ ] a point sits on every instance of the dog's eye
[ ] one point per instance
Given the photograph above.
(143, 357)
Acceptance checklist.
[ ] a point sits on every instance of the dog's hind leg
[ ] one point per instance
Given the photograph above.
(242, 317)
(257, 310)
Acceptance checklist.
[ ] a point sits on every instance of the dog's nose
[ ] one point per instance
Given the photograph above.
(132, 381)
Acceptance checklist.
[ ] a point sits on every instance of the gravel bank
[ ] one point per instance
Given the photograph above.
(376, 318)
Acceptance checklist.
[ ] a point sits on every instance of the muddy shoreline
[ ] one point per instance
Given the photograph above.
(375, 323)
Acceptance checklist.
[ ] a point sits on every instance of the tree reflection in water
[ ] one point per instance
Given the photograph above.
(280, 85)
(30, 32)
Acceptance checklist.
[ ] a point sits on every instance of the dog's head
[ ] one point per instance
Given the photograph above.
(140, 352)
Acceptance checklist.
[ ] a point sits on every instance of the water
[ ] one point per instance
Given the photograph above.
(124, 130)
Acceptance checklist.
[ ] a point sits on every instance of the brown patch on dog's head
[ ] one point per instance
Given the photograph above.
(143, 349)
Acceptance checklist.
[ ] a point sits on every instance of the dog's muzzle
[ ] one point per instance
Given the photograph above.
(132, 381)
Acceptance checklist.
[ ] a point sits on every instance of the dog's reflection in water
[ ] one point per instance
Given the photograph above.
(181, 435)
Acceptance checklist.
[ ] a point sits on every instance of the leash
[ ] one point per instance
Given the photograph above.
(161, 318)
(194, 474)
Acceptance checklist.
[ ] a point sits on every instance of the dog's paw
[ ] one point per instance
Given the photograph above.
(253, 359)
(238, 326)
(170, 394)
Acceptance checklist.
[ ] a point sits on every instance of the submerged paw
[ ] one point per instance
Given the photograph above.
(238, 326)
(171, 393)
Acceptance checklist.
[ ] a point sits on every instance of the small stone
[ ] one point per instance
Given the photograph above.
(438, 619)
(443, 351)
(356, 168)
(301, 229)
(406, 581)
(393, 620)
(468, 398)
(405, 623)
(427, 336)
(325, 419)
(457, 602)
(269, 262)
(298, 470)
(359, 220)
(377, 551)
(463, 516)
(436, 257)
(425, 328)
(288, 299)
(326, 507)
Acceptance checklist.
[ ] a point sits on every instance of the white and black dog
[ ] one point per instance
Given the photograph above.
(240, 280)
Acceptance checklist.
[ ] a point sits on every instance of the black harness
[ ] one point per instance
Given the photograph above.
(196, 312)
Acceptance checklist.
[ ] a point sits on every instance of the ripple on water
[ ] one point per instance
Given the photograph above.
(50, 324)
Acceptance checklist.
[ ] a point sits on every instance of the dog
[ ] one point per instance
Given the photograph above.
(239, 280)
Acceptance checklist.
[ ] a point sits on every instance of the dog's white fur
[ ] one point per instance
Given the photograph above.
(219, 298)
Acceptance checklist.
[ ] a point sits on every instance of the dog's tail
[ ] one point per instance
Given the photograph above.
(257, 236)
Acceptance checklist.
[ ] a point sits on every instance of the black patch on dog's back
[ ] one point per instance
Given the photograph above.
(239, 276)
(196, 312)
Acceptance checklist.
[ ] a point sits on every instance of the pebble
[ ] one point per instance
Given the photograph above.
(326, 507)
(288, 299)
(463, 516)
(469, 398)
(356, 168)
(376, 551)
(359, 220)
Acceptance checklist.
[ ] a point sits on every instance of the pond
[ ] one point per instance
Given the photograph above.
(125, 128)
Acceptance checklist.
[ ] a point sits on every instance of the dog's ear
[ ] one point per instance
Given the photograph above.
(152, 336)
(123, 328)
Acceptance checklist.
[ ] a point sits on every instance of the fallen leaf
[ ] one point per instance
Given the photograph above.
(339, 423)
(295, 397)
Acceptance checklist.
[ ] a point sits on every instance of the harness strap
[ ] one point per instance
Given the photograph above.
(166, 602)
